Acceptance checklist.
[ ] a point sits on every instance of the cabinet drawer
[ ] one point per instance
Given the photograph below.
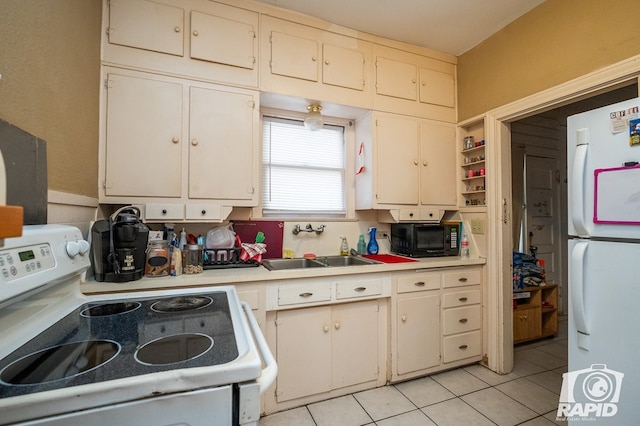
(462, 346)
(164, 211)
(419, 282)
(458, 320)
(461, 298)
(362, 288)
(204, 211)
(462, 277)
(301, 294)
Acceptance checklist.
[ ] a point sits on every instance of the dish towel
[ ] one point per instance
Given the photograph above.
(253, 251)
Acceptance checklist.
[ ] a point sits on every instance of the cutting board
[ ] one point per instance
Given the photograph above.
(272, 230)
(388, 258)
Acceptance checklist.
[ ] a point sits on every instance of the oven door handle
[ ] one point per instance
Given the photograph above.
(269, 372)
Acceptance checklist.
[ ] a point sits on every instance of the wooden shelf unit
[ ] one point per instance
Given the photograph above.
(536, 314)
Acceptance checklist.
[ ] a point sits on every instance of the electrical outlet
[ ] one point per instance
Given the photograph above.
(477, 226)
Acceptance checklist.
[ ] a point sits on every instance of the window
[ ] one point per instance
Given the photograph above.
(303, 171)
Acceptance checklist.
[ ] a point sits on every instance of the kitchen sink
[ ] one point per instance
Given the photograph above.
(319, 262)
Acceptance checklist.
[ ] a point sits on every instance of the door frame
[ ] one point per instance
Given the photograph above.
(499, 348)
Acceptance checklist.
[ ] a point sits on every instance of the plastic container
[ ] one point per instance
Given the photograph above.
(464, 247)
(158, 261)
(344, 247)
(192, 259)
(362, 245)
(372, 247)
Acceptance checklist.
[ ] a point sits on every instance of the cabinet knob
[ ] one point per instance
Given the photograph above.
(326, 62)
(203, 212)
(413, 80)
(337, 326)
(404, 318)
(194, 142)
(177, 29)
(325, 328)
(424, 163)
(195, 33)
(175, 139)
(314, 59)
(164, 211)
(415, 162)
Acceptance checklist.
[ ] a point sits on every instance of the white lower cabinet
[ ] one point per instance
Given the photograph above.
(323, 348)
(436, 321)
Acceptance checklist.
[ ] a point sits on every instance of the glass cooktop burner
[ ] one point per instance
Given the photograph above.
(59, 362)
(110, 309)
(173, 349)
(181, 304)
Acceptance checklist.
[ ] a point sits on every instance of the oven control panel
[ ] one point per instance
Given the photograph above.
(21, 262)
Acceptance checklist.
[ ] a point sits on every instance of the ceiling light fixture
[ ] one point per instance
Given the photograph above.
(313, 120)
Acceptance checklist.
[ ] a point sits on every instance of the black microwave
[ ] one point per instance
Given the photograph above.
(424, 239)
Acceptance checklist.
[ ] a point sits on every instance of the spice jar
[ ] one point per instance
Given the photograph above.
(468, 142)
(192, 259)
(157, 264)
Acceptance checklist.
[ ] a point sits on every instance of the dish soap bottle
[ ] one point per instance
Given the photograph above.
(362, 246)
(464, 247)
(372, 247)
(344, 247)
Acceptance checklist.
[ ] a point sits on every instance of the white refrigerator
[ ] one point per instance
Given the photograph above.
(603, 160)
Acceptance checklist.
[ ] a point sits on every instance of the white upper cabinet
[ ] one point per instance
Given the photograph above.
(293, 56)
(147, 25)
(412, 84)
(300, 60)
(438, 179)
(192, 38)
(180, 149)
(225, 41)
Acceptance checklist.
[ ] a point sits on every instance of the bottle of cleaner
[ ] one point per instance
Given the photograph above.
(464, 247)
(372, 247)
(344, 247)
(362, 245)
(183, 239)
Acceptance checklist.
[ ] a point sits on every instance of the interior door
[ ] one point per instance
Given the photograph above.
(542, 200)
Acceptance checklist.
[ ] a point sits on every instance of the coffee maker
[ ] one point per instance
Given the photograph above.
(118, 246)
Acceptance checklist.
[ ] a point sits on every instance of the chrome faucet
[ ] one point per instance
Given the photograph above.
(308, 228)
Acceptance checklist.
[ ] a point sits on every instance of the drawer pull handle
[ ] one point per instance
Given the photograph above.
(463, 299)
(420, 284)
(462, 279)
(463, 320)
(463, 347)
(306, 294)
(360, 288)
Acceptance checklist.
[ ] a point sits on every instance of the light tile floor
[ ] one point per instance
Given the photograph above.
(472, 395)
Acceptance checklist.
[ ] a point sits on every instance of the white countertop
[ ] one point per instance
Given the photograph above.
(237, 276)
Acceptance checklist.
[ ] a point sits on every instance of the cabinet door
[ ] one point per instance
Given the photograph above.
(418, 333)
(294, 56)
(396, 79)
(397, 159)
(527, 324)
(355, 343)
(221, 40)
(437, 88)
(147, 25)
(342, 67)
(143, 135)
(303, 352)
(221, 138)
(437, 164)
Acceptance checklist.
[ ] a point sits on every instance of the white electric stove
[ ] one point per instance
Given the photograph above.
(187, 357)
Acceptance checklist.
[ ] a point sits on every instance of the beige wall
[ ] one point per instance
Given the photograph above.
(554, 43)
(50, 67)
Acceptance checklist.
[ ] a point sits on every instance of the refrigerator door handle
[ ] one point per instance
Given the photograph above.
(577, 286)
(577, 179)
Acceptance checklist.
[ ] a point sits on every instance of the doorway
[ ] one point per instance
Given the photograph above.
(539, 184)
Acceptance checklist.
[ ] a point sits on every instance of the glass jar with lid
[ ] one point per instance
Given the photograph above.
(157, 264)
(192, 259)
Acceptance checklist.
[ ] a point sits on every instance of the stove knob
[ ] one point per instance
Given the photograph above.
(84, 247)
(73, 248)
